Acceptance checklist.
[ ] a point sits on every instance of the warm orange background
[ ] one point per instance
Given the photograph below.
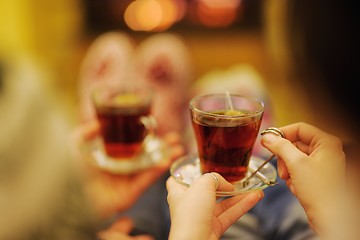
(52, 34)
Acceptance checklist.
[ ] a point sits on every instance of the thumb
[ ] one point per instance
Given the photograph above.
(283, 148)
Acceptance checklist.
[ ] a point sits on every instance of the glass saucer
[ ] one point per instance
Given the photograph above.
(186, 169)
(153, 153)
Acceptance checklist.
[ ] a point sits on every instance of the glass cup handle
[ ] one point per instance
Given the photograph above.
(151, 126)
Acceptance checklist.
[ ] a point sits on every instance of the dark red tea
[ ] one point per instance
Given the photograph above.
(225, 145)
(122, 130)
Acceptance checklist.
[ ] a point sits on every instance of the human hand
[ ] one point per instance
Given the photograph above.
(195, 213)
(120, 230)
(112, 193)
(312, 163)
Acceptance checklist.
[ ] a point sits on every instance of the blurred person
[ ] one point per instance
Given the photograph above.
(317, 43)
(160, 62)
(41, 196)
(119, 199)
(47, 191)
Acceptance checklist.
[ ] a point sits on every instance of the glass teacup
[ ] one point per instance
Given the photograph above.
(126, 124)
(226, 127)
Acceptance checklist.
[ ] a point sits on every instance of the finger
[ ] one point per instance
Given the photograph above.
(87, 130)
(223, 185)
(124, 225)
(229, 202)
(282, 169)
(173, 185)
(305, 148)
(230, 215)
(205, 182)
(142, 237)
(120, 230)
(302, 132)
(307, 138)
(113, 235)
(83, 133)
(172, 138)
(283, 148)
(175, 190)
(199, 197)
(291, 186)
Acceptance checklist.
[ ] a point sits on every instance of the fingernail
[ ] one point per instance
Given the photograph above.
(261, 195)
(269, 138)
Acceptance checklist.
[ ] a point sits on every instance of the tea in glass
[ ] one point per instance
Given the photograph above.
(226, 132)
(123, 118)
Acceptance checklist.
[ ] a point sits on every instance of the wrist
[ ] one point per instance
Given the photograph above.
(185, 229)
(328, 218)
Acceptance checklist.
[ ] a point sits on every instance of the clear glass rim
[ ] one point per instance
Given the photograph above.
(253, 99)
(146, 94)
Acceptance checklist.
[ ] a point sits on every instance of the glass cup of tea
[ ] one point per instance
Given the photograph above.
(226, 127)
(126, 125)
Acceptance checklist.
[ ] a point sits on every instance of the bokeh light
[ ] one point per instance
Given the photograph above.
(153, 15)
(217, 13)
